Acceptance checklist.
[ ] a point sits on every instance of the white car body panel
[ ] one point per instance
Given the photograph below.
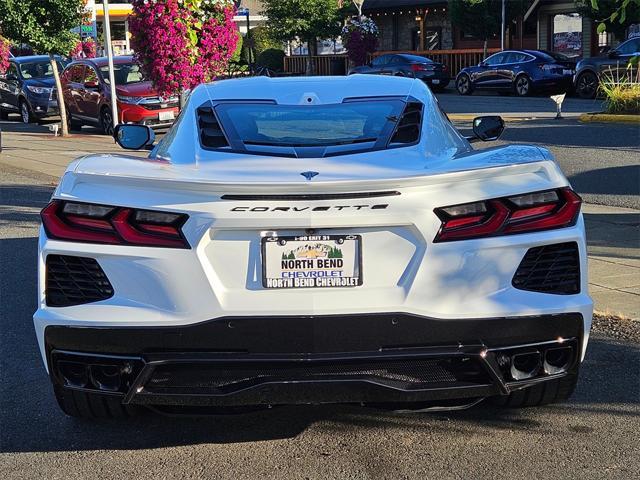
(403, 269)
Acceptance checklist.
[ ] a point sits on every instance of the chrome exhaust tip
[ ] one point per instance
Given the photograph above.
(557, 359)
(525, 365)
(105, 377)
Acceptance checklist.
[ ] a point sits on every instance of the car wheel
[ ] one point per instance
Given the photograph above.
(587, 85)
(551, 391)
(73, 124)
(522, 86)
(106, 121)
(25, 112)
(463, 85)
(92, 405)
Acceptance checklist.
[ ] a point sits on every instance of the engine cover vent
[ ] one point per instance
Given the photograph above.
(211, 134)
(550, 269)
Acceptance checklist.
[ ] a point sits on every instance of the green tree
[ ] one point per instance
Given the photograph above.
(46, 26)
(307, 20)
(483, 18)
(613, 16)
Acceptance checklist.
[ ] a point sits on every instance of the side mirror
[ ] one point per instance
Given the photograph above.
(487, 128)
(482, 64)
(134, 137)
(91, 84)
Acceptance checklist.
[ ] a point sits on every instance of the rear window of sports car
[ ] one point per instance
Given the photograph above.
(354, 125)
(308, 125)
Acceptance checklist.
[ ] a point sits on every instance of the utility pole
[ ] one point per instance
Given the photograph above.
(503, 27)
(109, 50)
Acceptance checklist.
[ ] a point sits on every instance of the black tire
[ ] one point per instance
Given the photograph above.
(92, 405)
(552, 391)
(106, 121)
(587, 85)
(463, 85)
(73, 124)
(522, 86)
(25, 112)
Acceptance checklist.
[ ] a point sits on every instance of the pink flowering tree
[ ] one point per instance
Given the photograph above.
(84, 49)
(360, 38)
(4, 54)
(182, 43)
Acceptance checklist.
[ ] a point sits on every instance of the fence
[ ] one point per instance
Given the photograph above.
(456, 60)
(322, 64)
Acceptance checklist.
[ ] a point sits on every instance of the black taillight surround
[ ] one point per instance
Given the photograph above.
(112, 225)
(503, 216)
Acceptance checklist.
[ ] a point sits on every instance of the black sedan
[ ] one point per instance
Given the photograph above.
(518, 71)
(434, 74)
(614, 63)
(28, 88)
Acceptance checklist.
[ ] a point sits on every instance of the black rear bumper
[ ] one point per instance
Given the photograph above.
(363, 358)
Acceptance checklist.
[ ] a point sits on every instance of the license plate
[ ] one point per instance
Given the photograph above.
(435, 81)
(311, 261)
(168, 115)
(567, 72)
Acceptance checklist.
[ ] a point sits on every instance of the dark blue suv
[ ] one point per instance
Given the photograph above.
(28, 88)
(519, 71)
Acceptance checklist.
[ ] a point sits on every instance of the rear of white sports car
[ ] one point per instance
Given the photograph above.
(312, 241)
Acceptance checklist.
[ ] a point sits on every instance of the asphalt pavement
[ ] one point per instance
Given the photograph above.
(594, 435)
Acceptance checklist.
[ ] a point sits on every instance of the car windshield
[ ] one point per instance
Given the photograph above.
(124, 73)
(39, 69)
(309, 125)
(415, 58)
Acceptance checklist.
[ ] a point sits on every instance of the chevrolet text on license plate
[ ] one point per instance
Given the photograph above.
(311, 261)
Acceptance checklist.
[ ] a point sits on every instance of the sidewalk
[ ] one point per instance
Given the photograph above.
(613, 234)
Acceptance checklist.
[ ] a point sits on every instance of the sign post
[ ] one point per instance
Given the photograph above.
(109, 50)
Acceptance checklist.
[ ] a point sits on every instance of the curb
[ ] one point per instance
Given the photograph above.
(468, 117)
(609, 118)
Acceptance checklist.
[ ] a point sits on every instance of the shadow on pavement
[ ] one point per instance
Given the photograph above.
(622, 180)
(571, 133)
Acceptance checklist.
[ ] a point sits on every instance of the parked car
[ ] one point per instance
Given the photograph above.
(519, 71)
(87, 95)
(434, 74)
(28, 88)
(327, 240)
(590, 71)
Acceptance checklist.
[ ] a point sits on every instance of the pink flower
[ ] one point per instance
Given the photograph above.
(163, 45)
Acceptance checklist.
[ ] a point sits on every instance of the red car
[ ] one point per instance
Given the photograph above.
(87, 95)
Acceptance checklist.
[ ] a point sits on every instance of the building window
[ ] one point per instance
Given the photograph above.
(567, 34)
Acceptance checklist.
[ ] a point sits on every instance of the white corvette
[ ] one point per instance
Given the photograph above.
(312, 240)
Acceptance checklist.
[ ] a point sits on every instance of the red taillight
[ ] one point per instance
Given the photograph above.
(90, 223)
(503, 216)
(420, 67)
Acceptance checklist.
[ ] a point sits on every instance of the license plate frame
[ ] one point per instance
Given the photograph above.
(167, 115)
(273, 283)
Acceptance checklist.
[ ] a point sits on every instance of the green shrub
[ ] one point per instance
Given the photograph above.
(622, 95)
(262, 41)
(237, 55)
(272, 58)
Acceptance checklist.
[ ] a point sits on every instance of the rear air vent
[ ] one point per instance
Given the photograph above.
(550, 269)
(211, 135)
(312, 197)
(74, 281)
(409, 125)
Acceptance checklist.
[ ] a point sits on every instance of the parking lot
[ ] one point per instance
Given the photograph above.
(594, 435)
